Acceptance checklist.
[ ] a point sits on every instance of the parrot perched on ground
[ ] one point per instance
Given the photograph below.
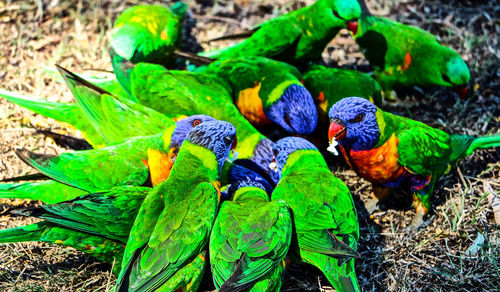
(297, 37)
(250, 240)
(97, 224)
(166, 246)
(329, 85)
(325, 218)
(147, 33)
(408, 56)
(137, 161)
(392, 151)
(178, 93)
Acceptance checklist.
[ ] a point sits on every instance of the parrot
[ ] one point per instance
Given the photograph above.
(267, 91)
(404, 55)
(166, 246)
(329, 85)
(250, 239)
(136, 161)
(392, 151)
(178, 93)
(296, 37)
(97, 224)
(325, 218)
(147, 33)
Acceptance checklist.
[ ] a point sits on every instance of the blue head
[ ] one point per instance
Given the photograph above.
(263, 156)
(295, 111)
(245, 182)
(239, 173)
(182, 128)
(286, 146)
(216, 136)
(353, 123)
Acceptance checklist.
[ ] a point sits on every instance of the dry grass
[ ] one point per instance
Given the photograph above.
(74, 34)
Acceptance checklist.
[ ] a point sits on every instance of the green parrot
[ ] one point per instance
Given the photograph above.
(166, 246)
(325, 218)
(136, 161)
(147, 33)
(97, 224)
(329, 85)
(250, 239)
(403, 55)
(392, 151)
(267, 91)
(296, 37)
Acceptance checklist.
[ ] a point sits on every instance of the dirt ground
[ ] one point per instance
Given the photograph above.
(74, 34)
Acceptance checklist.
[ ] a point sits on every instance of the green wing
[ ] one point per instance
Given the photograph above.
(108, 214)
(114, 118)
(423, 150)
(97, 169)
(248, 241)
(181, 232)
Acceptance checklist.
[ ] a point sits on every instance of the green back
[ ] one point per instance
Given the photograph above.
(329, 85)
(253, 231)
(147, 33)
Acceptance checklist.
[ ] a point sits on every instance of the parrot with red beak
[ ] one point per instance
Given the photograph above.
(296, 37)
(392, 151)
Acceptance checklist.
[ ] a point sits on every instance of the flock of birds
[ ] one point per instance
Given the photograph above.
(178, 176)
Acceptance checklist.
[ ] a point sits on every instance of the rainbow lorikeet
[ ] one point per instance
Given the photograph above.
(166, 246)
(147, 33)
(329, 85)
(137, 161)
(392, 151)
(178, 93)
(408, 56)
(97, 224)
(250, 239)
(296, 37)
(268, 91)
(325, 218)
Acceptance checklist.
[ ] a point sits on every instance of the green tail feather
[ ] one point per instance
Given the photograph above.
(64, 112)
(31, 232)
(48, 191)
(484, 142)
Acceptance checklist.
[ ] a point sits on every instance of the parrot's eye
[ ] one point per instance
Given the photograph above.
(228, 140)
(196, 123)
(358, 118)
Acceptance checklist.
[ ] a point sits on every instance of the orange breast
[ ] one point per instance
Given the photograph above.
(160, 164)
(250, 105)
(379, 165)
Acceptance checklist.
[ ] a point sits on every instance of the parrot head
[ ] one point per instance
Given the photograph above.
(455, 73)
(294, 111)
(258, 189)
(183, 126)
(347, 11)
(286, 146)
(216, 136)
(353, 124)
(245, 169)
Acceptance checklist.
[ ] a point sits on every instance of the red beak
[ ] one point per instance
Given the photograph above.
(235, 142)
(336, 132)
(462, 91)
(352, 25)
